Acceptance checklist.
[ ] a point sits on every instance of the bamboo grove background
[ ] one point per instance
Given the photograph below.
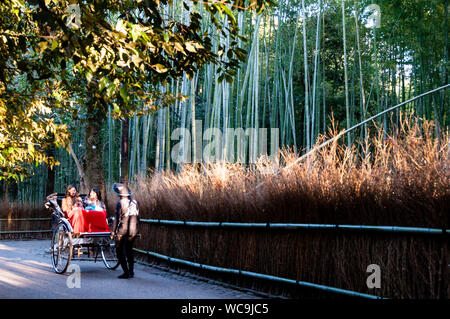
(308, 62)
(313, 69)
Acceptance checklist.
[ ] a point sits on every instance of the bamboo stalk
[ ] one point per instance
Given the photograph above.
(361, 82)
(316, 56)
(347, 110)
(306, 76)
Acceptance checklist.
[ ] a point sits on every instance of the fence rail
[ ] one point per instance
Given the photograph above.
(394, 229)
(5, 232)
(292, 226)
(24, 219)
(25, 231)
(259, 276)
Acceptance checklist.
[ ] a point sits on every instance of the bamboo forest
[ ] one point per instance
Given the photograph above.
(307, 63)
(286, 111)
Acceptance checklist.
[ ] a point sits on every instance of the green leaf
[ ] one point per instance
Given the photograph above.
(217, 6)
(103, 83)
(31, 149)
(54, 44)
(190, 47)
(124, 94)
(116, 108)
(134, 33)
(120, 27)
(43, 45)
(110, 90)
(89, 76)
(228, 12)
(159, 68)
(179, 47)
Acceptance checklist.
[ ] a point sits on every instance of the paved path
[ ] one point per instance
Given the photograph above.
(26, 273)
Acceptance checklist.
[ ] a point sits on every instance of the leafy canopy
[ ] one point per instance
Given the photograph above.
(103, 52)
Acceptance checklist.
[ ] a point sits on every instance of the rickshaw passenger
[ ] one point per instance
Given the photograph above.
(72, 206)
(94, 200)
(71, 201)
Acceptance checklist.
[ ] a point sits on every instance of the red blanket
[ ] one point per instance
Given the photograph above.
(84, 221)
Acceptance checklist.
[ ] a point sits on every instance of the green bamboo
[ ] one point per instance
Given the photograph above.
(361, 82)
(306, 76)
(347, 109)
(316, 62)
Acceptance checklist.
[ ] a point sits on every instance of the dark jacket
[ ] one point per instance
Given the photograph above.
(125, 225)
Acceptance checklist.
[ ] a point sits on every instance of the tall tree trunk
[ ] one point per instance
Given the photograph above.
(6, 191)
(81, 170)
(94, 159)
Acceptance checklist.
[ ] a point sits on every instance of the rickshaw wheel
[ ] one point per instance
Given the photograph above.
(61, 248)
(109, 255)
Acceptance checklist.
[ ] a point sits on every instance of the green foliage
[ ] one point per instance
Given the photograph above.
(26, 130)
(119, 49)
(139, 45)
(30, 95)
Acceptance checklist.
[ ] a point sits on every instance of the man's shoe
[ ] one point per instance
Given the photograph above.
(131, 274)
(124, 276)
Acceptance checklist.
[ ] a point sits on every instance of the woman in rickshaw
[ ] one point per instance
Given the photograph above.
(94, 200)
(71, 201)
(72, 206)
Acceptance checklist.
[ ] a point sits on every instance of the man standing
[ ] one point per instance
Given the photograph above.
(125, 228)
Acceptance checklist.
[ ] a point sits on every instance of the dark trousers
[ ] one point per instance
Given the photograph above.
(124, 250)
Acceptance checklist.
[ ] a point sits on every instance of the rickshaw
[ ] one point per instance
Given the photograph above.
(67, 246)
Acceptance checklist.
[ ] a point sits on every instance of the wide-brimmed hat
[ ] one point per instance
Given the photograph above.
(121, 189)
